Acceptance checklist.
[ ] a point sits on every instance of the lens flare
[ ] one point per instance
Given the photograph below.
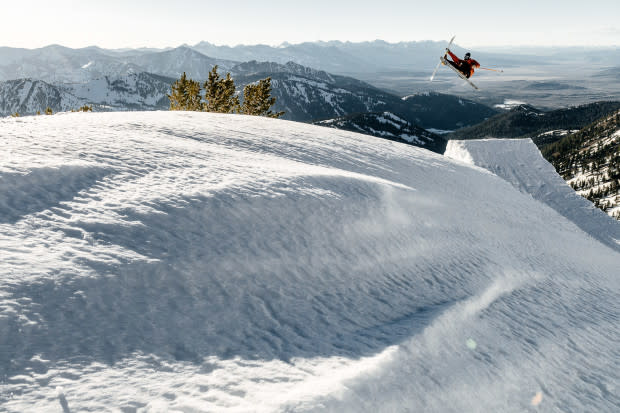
(471, 344)
(537, 399)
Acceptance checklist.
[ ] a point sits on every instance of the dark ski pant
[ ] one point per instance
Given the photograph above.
(459, 65)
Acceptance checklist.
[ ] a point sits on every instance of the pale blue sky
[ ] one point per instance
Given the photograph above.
(158, 23)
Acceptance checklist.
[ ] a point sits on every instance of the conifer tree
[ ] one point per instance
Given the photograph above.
(185, 94)
(220, 96)
(220, 93)
(177, 94)
(49, 111)
(257, 99)
(193, 100)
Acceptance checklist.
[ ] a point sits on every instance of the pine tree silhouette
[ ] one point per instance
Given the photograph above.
(220, 94)
(257, 99)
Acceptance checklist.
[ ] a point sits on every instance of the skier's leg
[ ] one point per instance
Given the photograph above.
(458, 66)
(455, 58)
(454, 64)
(457, 63)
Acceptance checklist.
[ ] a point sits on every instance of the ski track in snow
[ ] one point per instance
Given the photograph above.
(199, 262)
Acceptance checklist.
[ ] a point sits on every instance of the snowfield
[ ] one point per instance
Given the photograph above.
(520, 162)
(194, 262)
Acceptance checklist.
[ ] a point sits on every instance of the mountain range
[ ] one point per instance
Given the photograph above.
(380, 56)
(386, 125)
(402, 68)
(304, 94)
(133, 91)
(58, 64)
(27, 96)
(543, 127)
(311, 95)
(64, 79)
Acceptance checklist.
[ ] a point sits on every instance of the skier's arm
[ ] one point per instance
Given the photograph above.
(474, 63)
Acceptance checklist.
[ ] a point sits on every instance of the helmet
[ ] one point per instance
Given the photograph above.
(467, 55)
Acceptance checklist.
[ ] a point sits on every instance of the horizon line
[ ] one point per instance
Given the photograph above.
(287, 44)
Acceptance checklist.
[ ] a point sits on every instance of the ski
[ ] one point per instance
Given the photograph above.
(462, 76)
(439, 64)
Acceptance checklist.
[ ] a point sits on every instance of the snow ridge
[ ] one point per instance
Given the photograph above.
(208, 262)
(508, 159)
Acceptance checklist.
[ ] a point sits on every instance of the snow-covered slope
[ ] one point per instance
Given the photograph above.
(27, 96)
(170, 261)
(312, 97)
(58, 64)
(143, 91)
(135, 91)
(520, 162)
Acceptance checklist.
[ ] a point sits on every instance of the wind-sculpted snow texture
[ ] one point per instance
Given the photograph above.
(195, 262)
(520, 162)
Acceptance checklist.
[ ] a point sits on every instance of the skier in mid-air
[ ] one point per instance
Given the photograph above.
(465, 66)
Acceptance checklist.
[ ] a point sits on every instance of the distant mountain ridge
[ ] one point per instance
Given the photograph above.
(312, 95)
(343, 57)
(386, 125)
(254, 67)
(55, 64)
(316, 95)
(28, 96)
(452, 112)
(305, 94)
(525, 121)
(402, 68)
(182, 59)
(135, 91)
(58, 63)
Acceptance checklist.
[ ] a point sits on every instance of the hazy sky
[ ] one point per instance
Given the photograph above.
(159, 23)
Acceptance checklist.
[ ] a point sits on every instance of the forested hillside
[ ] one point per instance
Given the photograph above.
(542, 127)
(589, 161)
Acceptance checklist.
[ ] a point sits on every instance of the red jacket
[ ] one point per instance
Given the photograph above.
(465, 66)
